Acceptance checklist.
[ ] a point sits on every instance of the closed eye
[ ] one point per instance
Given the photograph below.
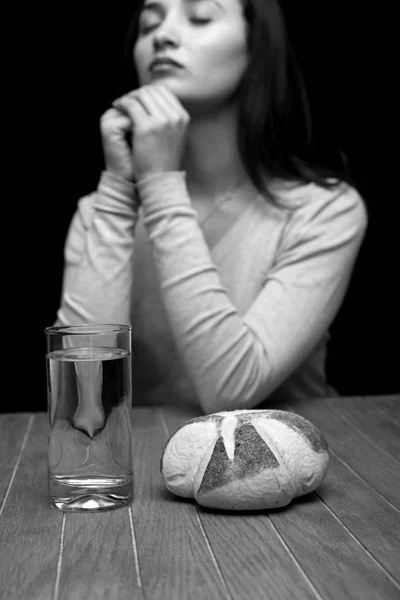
(147, 29)
(194, 20)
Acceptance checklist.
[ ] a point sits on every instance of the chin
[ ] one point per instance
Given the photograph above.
(168, 79)
(176, 86)
(193, 100)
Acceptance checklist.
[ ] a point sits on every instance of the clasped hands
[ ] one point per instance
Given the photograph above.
(158, 123)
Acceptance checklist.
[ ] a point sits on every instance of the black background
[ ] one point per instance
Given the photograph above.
(66, 71)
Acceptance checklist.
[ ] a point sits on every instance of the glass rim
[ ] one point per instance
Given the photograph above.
(87, 329)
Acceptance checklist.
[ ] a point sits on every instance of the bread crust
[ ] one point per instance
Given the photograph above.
(245, 459)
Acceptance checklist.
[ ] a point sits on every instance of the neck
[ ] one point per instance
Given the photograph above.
(211, 158)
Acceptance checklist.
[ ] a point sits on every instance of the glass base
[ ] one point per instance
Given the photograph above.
(73, 494)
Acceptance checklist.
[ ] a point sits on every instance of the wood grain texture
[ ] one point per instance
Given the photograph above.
(390, 402)
(354, 523)
(341, 542)
(29, 529)
(174, 559)
(255, 564)
(352, 490)
(365, 513)
(359, 451)
(98, 559)
(339, 567)
(379, 422)
(13, 431)
(253, 558)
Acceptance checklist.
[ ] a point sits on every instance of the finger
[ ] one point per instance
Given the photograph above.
(114, 115)
(170, 98)
(165, 100)
(121, 101)
(135, 95)
(157, 104)
(133, 108)
(115, 119)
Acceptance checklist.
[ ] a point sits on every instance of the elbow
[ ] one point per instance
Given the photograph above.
(245, 388)
(219, 402)
(215, 403)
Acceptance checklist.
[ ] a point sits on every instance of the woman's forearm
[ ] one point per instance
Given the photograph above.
(220, 352)
(236, 360)
(99, 250)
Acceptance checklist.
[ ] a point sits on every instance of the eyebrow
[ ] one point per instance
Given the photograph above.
(157, 5)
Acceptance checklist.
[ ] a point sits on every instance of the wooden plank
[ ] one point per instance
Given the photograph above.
(391, 403)
(361, 454)
(98, 558)
(392, 399)
(29, 528)
(378, 421)
(369, 517)
(279, 565)
(174, 559)
(334, 561)
(13, 429)
(252, 558)
(336, 543)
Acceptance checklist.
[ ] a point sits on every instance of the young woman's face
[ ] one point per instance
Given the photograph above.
(207, 37)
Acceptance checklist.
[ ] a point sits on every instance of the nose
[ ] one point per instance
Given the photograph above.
(167, 33)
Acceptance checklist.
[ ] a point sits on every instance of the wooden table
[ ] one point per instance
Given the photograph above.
(340, 542)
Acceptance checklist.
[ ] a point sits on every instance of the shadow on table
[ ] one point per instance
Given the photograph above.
(311, 498)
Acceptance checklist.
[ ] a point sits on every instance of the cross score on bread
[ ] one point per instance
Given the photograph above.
(245, 459)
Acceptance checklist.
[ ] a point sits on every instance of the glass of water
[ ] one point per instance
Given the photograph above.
(89, 407)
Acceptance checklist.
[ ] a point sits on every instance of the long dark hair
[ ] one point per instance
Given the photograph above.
(275, 138)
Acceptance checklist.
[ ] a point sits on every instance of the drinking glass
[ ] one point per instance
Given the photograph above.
(89, 384)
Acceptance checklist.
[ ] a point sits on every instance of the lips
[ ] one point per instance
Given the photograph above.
(164, 62)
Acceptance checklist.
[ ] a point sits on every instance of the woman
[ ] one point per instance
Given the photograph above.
(209, 231)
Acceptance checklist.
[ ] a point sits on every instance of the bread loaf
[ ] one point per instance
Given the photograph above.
(245, 459)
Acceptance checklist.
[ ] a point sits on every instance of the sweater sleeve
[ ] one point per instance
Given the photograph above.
(236, 361)
(97, 278)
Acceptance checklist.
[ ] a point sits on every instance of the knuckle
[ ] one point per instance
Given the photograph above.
(184, 118)
(141, 130)
(162, 122)
(105, 117)
(105, 123)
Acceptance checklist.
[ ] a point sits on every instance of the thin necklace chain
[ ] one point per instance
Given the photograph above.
(220, 201)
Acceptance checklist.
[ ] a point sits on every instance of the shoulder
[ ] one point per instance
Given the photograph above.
(312, 207)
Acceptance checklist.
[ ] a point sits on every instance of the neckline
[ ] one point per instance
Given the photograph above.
(225, 220)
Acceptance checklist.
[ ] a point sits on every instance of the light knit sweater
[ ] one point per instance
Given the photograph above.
(222, 317)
